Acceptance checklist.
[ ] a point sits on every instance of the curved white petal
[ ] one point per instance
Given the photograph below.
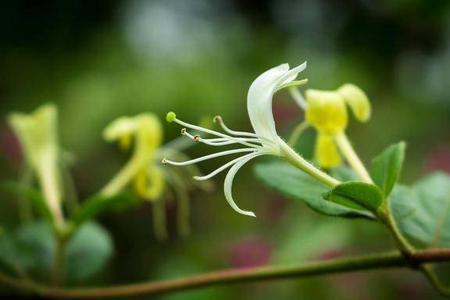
(259, 99)
(228, 183)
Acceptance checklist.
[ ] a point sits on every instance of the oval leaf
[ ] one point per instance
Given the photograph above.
(357, 195)
(88, 251)
(426, 221)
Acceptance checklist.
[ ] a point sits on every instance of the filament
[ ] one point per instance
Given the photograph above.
(218, 119)
(222, 168)
(206, 157)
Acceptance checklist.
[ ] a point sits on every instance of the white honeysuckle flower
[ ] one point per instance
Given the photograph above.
(263, 141)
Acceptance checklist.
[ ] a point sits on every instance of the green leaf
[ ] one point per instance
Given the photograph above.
(97, 204)
(422, 212)
(12, 257)
(36, 198)
(386, 167)
(38, 241)
(297, 185)
(356, 194)
(344, 173)
(88, 251)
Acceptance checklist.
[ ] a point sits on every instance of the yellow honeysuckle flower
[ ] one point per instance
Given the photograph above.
(149, 183)
(146, 132)
(144, 172)
(37, 133)
(326, 111)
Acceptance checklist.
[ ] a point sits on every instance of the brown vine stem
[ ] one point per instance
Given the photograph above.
(394, 259)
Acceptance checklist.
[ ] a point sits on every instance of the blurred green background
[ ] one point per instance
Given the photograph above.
(98, 60)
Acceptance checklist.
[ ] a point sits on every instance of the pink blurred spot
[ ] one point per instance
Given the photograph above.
(276, 207)
(285, 113)
(438, 159)
(10, 147)
(250, 253)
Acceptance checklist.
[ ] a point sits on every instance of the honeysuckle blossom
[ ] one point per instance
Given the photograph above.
(263, 141)
(326, 111)
(37, 133)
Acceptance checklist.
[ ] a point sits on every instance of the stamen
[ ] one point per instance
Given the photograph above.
(218, 119)
(298, 98)
(206, 157)
(198, 128)
(195, 138)
(242, 133)
(222, 168)
(216, 140)
(222, 141)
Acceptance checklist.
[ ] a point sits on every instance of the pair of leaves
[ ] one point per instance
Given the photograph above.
(385, 172)
(31, 248)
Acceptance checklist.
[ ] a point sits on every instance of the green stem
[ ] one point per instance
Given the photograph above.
(367, 262)
(298, 161)
(59, 262)
(118, 182)
(435, 281)
(388, 219)
(352, 158)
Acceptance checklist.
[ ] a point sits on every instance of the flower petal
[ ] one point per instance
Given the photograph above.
(259, 99)
(326, 152)
(228, 183)
(357, 100)
(326, 111)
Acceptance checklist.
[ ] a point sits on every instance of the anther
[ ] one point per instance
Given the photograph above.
(196, 138)
(183, 131)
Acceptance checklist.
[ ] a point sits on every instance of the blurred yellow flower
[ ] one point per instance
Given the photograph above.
(37, 133)
(326, 111)
(146, 176)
